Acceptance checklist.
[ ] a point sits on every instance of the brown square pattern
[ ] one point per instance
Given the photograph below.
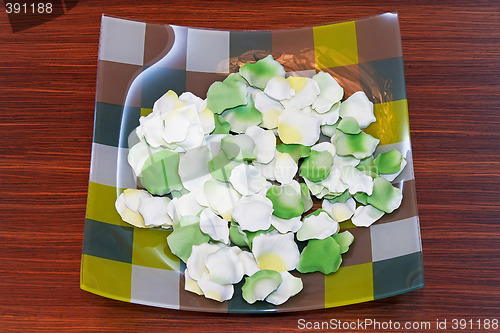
(165, 47)
(294, 48)
(198, 82)
(114, 80)
(348, 77)
(360, 251)
(378, 38)
(192, 301)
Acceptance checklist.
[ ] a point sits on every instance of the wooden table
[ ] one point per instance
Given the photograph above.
(47, 91)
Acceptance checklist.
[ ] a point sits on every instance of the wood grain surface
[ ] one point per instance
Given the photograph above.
(47, 90)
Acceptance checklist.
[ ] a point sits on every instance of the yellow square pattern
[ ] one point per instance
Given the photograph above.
(106, 277)
(352, 284)
(335, 45)
(392, 123)
(145, 112)
(151, 250)
(101, 204)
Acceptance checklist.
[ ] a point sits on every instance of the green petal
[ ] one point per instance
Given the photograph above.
(306, 197)
(220, 166)
(385, 197)
(160, 173)
(361, 197)
(320, 255)
(343, 197)
(316, 166)
(243, 116)
(389, 162)
(329, 130)
(258, 286)
(287, 202)
(358, 145)
(182, 239)
(239, 147)
(367, 165)
(226, 95)
(349, 125)
(221, 126)
(344, 239)
(297, 151)
(257, 74)
(237, 236)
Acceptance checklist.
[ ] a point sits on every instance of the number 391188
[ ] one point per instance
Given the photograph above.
(28, 8)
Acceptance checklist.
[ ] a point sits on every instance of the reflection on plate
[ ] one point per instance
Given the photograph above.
(138, 62)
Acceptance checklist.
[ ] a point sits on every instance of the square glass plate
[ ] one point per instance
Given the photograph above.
(139, 62)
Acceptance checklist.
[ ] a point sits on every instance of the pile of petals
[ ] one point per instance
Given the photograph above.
(233, 177)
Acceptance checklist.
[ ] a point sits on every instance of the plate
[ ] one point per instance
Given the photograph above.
(138, 62)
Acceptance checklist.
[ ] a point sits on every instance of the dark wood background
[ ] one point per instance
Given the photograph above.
(47, 91)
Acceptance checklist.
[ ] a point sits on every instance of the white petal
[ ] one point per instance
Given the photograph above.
(325, 146)
(330, 92)
(214, 226)
(213, 142)
(165, 103)
(359, 107)
(253, 213)
(267, 170)
(214, 290)
(195, 133)
(276, 252)
(269, 108)
(298, 127)
(265, 142)
(249, 264)
(221, 197)
(247, 180)
(365, 216)
(207, 121)
(196, 261)
(279, 88)
(317, 227)
(303, 97)
(138, 155)
(190, 284)
(152, 129)
(330, 117)
(285, 168)
(176, 127)
(193, 168)
(290, 286)
(185, 205)
(340, 161)
(356, 180)
(224, 266)
(341, 211)
(127, 214)
(154, 211)
(314, 187)
(190, 98)
(333, 182)
(286, 225)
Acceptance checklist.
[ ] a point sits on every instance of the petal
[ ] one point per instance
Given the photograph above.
(221, 197)
(365, 216)
(391, 176)
(224, 266)
(320, 255)
(185, 205)
(247, 180)
(239, 147)
(341, 161)
(325, 146)
(287, 201)
(296, 127)
(250, 266)
(340, 211)
(317, 165)
(207, 121)
(265, 142)
(214, 290)
(318, 225)
(359, 107)
(267, 170)
(385, 196)
(279, 88)
(276, 252)
(160, 173)
(356, 180)
(193, 168)
(152, 129)
(154, 211)
(295, 150)
(196, 262)
(259, 73)
(344, 239)
(243, 116)
(269, 108)
(260, 285)
(333, 182)
(286, 225)
(138, 155)
(226, 95)
(285, 168)
(176, 127)
(330, 92)
(253, 213)
(349, 125)
(190, 284)
(165, 103)
(221, 167)
(290, 286)
(389, 161)
(214, 226)
(182, 239)
(128, 215)
(306, 91)
(358, 145)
